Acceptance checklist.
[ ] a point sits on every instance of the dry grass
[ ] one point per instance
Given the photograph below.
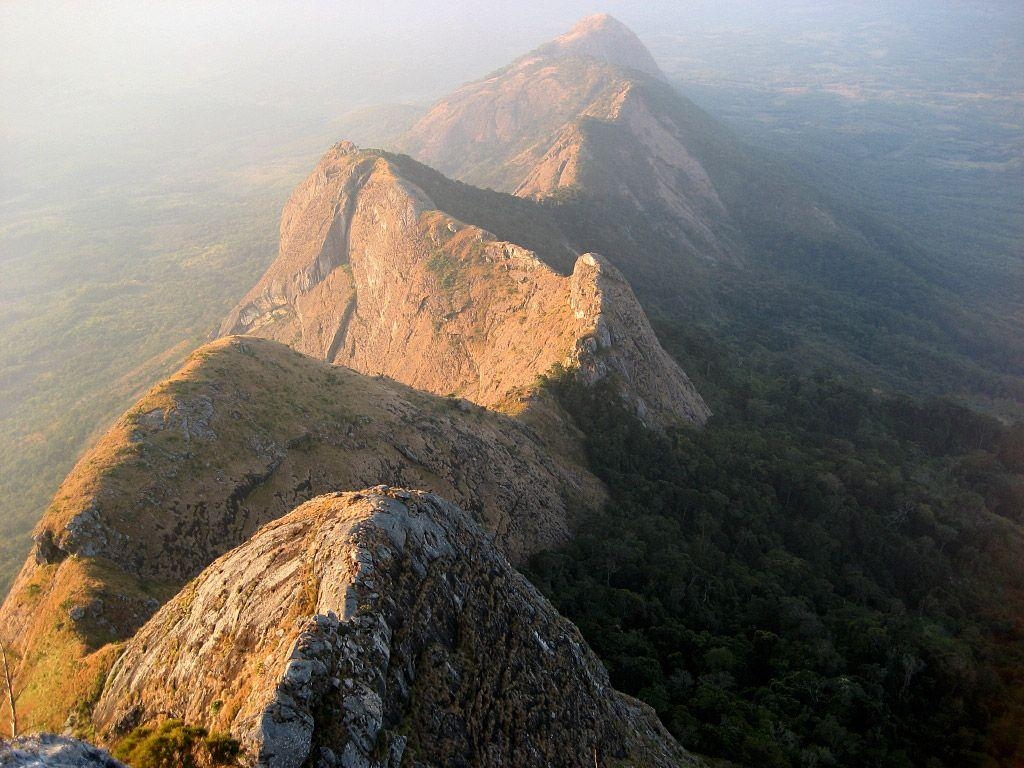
(291, 428)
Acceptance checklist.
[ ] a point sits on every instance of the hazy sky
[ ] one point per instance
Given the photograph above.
(60, 59)
(106, 76)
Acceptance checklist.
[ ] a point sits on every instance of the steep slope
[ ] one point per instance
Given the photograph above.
(378, 628)
(711, 231)
(371, 275)
(492, 132)
(243, 433)
(590, 112)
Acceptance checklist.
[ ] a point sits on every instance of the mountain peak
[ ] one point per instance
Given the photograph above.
(467, 313)
(595, 24)
(604, 37)
(342, 641)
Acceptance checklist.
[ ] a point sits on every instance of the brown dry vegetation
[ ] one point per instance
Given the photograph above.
(244, 432)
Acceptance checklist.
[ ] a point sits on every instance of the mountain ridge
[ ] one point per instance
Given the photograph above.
(369, 627)
(247, 430)
(196, 562)
(371, 275)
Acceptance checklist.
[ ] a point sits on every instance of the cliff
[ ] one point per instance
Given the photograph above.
(378, 628)
(373, 276)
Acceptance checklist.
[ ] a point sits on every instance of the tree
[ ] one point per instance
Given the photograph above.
(12, 697)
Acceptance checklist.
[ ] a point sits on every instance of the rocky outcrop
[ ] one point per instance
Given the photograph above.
(48, 750)
(246, 431)
(379, 628)
(372, 276)
(620, 345)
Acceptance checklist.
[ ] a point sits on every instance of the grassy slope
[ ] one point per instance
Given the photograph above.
(280, 428)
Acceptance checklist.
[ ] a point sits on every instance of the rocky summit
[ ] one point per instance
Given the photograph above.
(247, 430)
(607, 39)
(378, 628)
(373, 276)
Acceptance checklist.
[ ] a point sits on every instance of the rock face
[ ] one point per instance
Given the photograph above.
(591, 114)
(47, 750)
(372, 276)
(379, 628)
(620, 344)
(494, 131)
(243, 433)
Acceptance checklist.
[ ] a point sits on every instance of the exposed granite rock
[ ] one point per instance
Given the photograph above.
(379, 628)
(47, 750)
(245, 432)
(45, 550)
(370, 275)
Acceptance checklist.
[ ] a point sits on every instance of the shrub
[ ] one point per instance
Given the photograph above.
(173, 744)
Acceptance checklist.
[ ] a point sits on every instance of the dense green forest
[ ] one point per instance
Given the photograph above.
(824, 575)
